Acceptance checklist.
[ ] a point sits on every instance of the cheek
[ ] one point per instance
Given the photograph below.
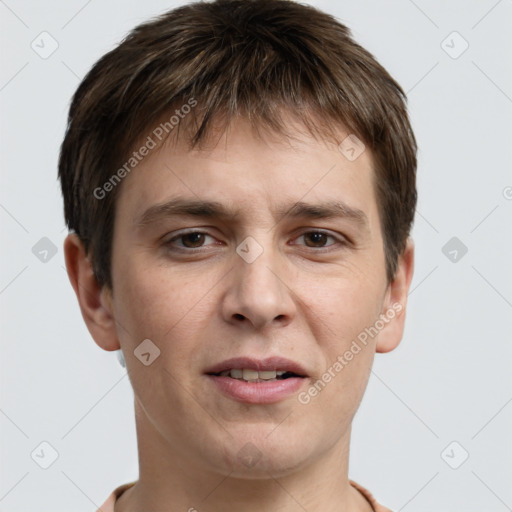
(342, 315)
(343, 307)
(341, 311)
(162, 304)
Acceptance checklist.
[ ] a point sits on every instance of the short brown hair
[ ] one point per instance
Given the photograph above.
(254, 58)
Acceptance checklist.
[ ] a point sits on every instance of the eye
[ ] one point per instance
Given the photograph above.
(318, 239)
(190, 240)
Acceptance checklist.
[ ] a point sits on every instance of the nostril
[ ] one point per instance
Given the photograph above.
(238, 316)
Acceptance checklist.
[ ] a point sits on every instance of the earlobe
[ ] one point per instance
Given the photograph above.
(395, 303)
(95, 302)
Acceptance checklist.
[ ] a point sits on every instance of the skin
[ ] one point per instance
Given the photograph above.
(303, 298)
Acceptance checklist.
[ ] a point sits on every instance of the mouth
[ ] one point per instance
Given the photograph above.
(251, 369)
(257, 381)
(249, 375)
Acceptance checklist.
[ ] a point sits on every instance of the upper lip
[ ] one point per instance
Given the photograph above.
(267, 364)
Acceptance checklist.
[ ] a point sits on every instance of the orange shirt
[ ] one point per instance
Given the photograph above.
(108, 506)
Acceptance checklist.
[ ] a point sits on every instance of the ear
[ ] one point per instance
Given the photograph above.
(395, 301)
(95, 302)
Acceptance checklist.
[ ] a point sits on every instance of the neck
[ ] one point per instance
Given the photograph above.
(169, 479)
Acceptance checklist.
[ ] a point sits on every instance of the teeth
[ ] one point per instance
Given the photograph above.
(270, 374)
(252, 375)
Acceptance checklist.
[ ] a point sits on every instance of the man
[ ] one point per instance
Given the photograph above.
(239, 180)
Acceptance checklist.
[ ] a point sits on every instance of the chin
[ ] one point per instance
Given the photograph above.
(258, 455)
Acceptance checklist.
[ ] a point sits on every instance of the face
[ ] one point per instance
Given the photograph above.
(282, 273)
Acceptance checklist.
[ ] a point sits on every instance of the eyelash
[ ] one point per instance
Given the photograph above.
(199, 249)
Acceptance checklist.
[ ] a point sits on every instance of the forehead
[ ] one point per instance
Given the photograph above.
(249, 172)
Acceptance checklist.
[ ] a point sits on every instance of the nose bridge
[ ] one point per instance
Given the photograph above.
(257, 291)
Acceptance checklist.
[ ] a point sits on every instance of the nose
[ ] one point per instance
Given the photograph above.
(258, 294)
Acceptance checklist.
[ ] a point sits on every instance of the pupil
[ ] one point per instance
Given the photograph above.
(195, 237)
(317, 237)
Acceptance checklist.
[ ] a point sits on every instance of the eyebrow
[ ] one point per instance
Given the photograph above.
(215, 210)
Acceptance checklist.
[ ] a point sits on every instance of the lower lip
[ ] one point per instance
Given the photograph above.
(257, 392)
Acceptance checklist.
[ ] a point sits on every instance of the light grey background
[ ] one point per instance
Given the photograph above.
(449, 380)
